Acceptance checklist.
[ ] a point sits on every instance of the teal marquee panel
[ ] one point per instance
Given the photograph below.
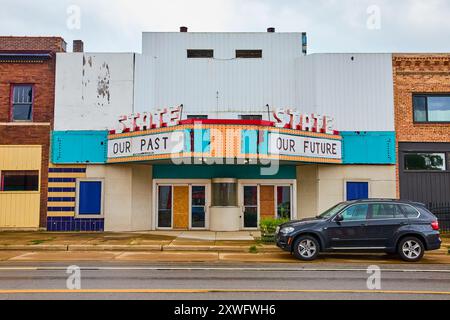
(368, 147)
(254, 141)
(220, 171)
(69, 147)
(201, 140)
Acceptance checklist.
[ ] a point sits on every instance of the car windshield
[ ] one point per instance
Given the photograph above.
(332, 211)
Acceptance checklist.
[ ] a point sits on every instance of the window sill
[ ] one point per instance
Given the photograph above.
(19, 192)
(89, 216)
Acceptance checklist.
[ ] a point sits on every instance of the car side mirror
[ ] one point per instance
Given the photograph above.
(339, 218)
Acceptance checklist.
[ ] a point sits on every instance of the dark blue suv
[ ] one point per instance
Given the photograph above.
(392, 226)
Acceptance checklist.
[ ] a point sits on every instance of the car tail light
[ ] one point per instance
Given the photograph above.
(435, 225)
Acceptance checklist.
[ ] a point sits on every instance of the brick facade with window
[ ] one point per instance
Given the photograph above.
(29, 61)
(419, 74)
(422, 122)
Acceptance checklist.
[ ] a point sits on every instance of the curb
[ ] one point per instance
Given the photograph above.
(136, 248)
(37, 247)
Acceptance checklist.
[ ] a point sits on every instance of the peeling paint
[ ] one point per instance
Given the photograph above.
(103, 85)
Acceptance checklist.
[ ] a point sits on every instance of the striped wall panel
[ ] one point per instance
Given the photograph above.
(61, 200)
(62, 189)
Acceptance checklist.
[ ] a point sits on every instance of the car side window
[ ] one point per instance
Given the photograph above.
(409, 211)
(384, 211)
(355, 212)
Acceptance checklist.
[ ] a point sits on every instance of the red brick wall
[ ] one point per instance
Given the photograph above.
(419, 73)
(42, 76)
(54, 44)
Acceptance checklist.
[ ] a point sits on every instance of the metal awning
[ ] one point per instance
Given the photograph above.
(13, 57)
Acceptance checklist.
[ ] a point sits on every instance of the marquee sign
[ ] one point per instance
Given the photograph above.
(166, 117)
(291, 145)
(150, 144)
(292, 119)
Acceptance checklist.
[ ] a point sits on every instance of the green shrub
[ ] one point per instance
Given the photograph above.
(268, 226)
(253, 249)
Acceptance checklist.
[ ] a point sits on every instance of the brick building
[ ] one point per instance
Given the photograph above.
(27, 86)
(422, 120)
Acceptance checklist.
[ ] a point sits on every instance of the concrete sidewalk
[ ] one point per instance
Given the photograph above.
(242, 241)
(168, 246)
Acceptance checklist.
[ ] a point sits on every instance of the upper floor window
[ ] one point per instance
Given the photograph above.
(22, 103)
(197, 116)
(431, 108)
(200, 53)
(250, 117)
(248, 53)
(425, 161)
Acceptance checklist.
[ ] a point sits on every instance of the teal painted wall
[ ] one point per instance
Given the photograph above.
(69, 147)
(368, 147)
(219, 171)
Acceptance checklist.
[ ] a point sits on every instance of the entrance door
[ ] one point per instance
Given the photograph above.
(250, 206)
(198, 207)
(164, 206)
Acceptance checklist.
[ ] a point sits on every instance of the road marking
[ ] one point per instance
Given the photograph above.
(130, 291)
(165, 268)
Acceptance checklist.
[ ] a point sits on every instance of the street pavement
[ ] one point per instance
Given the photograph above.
(227, 281)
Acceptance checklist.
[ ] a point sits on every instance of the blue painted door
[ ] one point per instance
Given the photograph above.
(357, 190)
(90, 194)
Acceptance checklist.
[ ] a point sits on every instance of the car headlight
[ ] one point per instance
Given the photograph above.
(287, 230)
(277, 229)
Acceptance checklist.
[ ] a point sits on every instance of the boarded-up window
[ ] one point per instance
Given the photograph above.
(20, 181)
(200, 53)
(248, 53)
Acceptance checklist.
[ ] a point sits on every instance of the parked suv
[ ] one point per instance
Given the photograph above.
(392, 226)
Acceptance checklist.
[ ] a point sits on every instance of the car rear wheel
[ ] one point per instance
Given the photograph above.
(411, 249)
(306, 248)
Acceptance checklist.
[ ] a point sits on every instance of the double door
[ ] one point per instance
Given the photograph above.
(182, 206)
(259, 201)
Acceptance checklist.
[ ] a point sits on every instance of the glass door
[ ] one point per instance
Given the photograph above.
(164, 206)
(284, 202)
(198, 207)
(250, 206)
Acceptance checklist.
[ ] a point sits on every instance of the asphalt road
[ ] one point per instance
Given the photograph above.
(222, 281)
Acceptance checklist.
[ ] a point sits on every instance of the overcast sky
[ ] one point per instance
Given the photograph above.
(332, 25)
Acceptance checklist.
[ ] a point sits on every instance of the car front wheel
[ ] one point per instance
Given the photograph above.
(306, 248)
(411, 249)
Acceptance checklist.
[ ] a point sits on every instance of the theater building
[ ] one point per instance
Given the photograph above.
(422, 117)
(27, 87)
(217, 131)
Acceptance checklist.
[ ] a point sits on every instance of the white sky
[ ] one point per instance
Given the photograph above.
(332, 25)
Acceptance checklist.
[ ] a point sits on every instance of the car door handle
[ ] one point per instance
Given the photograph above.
(403, 223)
(363, 224)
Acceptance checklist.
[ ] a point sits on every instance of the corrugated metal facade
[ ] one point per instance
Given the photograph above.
(20, 209)
(224, 86)
(355, 89)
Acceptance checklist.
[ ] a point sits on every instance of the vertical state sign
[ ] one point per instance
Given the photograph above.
(301, 146)
(152, 144)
